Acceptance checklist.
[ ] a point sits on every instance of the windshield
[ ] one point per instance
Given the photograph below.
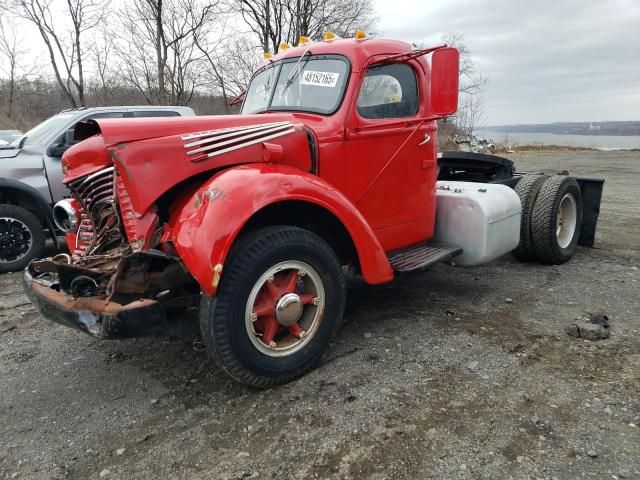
(9, 136)
(308, 84)
(39, 133)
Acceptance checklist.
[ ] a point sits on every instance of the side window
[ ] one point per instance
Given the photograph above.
(103, 115)
(389, 91)
(62, 143)
(155, 113)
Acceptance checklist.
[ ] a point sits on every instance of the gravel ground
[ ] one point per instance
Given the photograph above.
(436, 375)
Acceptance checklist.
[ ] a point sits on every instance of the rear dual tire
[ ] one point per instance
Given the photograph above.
(556, 220)
(527, 189)
(551, 218)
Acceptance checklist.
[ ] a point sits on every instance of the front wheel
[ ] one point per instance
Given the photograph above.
(280, 301)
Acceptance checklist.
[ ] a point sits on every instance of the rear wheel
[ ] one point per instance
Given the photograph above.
(527, 189)
(21, 238)
(557, 219)
(280, 301)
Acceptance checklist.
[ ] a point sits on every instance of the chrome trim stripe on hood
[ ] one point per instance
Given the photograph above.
(217, 142)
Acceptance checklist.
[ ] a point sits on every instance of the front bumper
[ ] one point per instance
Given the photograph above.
(94, 315)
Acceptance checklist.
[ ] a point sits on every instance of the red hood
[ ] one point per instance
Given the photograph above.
(119, 130)
(153, 155)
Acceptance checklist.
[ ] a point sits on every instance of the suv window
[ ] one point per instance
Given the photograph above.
(155, 113)
(389, 91)
(61, 141)
(40, 132)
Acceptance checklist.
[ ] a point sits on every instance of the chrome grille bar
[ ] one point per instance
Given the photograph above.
(97, 196)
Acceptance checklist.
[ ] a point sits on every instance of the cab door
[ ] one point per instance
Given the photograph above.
(391, 161)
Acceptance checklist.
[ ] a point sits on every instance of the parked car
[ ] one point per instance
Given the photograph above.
(31, 178)
(9, 136)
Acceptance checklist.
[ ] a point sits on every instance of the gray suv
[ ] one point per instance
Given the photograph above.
(31, 179)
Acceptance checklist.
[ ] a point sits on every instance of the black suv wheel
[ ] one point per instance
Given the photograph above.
(21, 238)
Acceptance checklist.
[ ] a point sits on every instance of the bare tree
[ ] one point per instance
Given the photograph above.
(162, 58)
(470, 114)
(471, 81)
(228, 60)
(105, 83)
(10, 54)
(64, 45)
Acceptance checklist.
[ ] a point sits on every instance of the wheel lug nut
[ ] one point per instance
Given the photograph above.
(301, 273)
(316, 301)
(271, 279)
(272, 344)
(254, 316)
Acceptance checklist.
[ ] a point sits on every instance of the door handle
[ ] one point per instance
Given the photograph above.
(427, 137)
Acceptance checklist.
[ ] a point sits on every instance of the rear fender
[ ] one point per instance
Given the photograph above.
(204, 228)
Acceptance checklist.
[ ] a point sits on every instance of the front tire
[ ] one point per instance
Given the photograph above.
(280, 301)
(21, 238)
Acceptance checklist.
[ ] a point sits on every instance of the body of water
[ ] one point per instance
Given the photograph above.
(602, 142)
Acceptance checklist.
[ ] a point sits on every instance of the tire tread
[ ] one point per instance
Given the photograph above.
(217, 309)
(527, 189)
(543, 221)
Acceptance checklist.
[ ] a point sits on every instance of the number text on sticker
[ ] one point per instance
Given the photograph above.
(320, 79)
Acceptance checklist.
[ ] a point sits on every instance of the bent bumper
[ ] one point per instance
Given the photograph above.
(94, 315)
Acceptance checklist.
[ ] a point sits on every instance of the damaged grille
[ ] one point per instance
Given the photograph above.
(99, 230)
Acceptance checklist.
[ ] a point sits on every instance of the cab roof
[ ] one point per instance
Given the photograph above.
(358, 51)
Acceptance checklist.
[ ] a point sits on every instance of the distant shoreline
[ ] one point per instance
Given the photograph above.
(566, 148)
(591, 142)
(588, 129)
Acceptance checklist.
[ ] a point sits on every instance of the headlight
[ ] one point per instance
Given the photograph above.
(65, 216)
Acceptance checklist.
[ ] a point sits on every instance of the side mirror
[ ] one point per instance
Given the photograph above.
(444, 81)
(69, 137)
(62, 144)
(56, 150)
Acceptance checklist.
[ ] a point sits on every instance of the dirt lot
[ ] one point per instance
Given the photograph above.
(434, 376)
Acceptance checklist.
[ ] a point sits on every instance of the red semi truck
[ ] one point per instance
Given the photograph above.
(331, 164)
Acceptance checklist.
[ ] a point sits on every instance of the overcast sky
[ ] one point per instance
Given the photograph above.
(547, 60)
(560, 60)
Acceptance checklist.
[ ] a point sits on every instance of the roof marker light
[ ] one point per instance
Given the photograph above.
(304, 40)
(360, 34)
(328, 36)
(267, 55)
(283, 47)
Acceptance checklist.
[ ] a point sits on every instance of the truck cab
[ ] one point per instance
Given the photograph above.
(370, 110)
(331, 165)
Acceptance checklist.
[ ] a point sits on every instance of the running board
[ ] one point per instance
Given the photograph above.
(422, 256)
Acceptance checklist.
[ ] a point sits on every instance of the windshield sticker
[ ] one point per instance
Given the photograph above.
(320, 79)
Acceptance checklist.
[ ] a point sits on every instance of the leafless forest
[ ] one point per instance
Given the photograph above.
(57, 54)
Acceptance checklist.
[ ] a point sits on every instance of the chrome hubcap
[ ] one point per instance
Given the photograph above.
(285, 308)
(566, 220)
(289, 309)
